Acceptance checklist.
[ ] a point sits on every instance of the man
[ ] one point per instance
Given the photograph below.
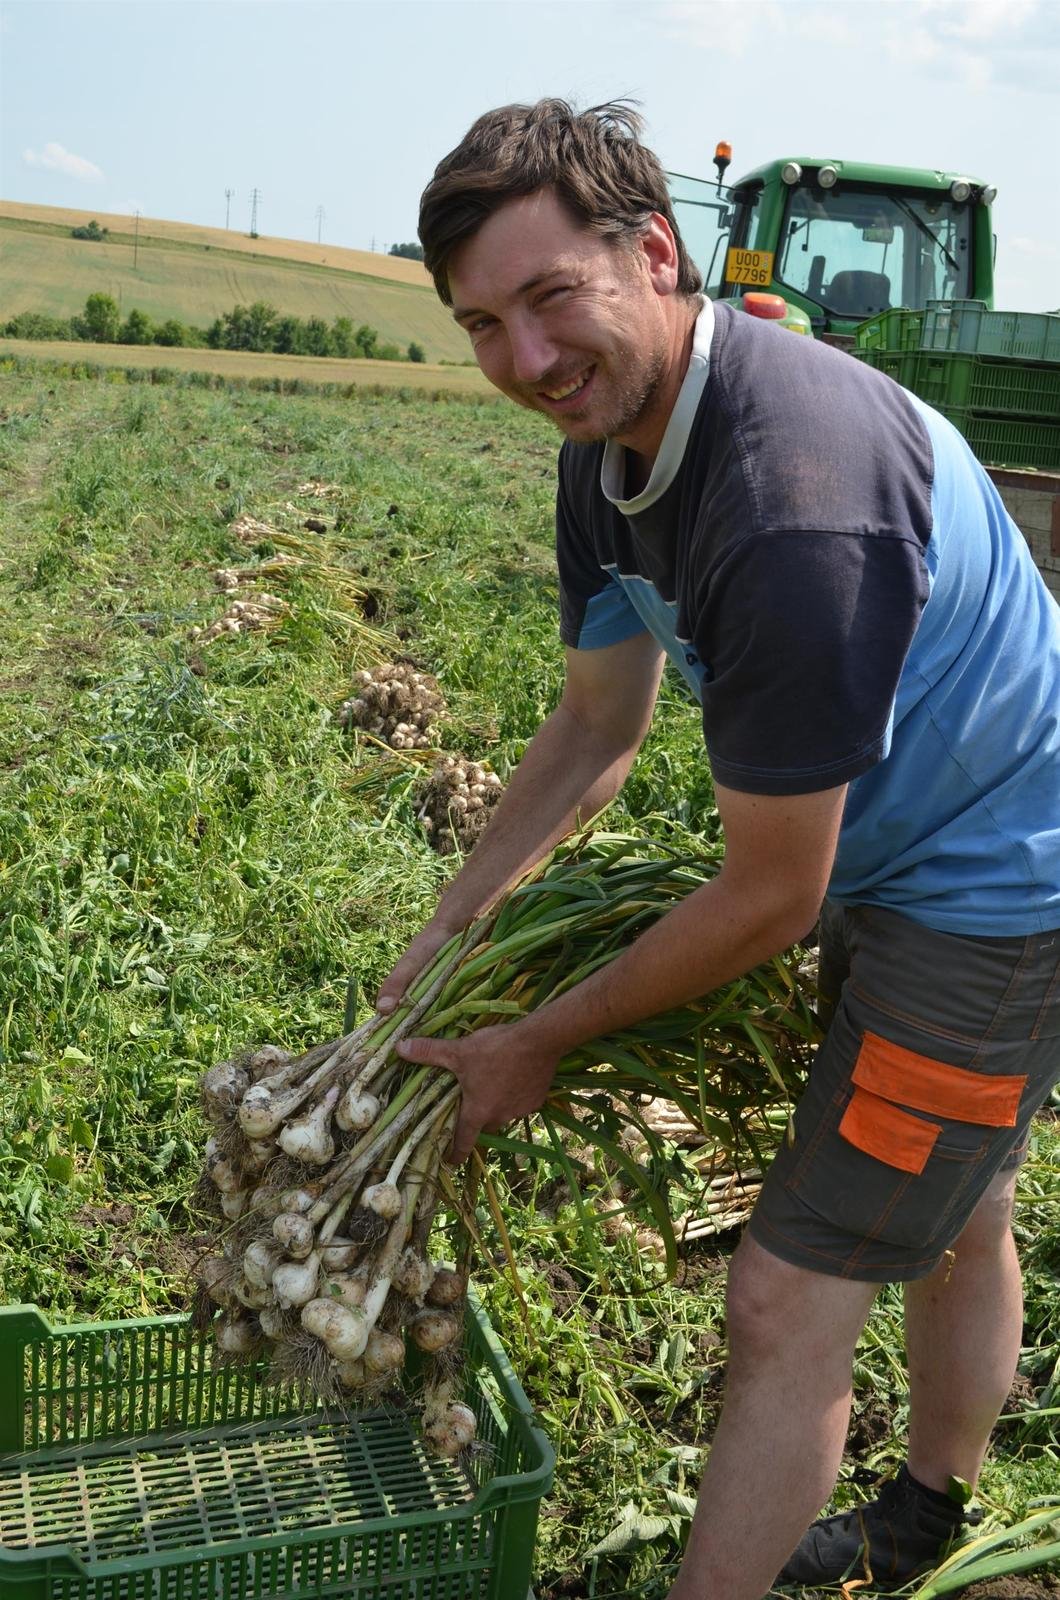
(879, 669)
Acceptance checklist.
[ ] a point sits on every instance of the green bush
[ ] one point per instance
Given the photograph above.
(34, 325)
(172, 333)
(91, 230)
(416, 352)
(137, 329)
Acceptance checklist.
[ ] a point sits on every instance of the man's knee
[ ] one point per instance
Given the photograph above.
(989, 1225)
(780, 1314)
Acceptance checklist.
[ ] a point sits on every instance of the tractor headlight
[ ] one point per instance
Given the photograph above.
(988, 194)
(827, 177)
(791, 172)
(960, 189)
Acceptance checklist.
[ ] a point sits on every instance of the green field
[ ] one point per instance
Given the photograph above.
(43, 269)
(249, 366)
(194, 856)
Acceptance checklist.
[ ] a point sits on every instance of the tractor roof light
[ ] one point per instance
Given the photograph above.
(791, 172)
(988, 193)
(960, 189)
(827, 177)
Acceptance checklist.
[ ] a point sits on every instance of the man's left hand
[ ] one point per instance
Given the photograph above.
(503, 1074)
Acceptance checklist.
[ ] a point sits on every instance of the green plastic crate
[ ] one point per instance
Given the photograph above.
(1008, 441)
(891, 330)
(969, 326)
(973, 383)
(133, 1469)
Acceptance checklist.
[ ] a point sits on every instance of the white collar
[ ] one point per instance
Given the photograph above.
(672, 449)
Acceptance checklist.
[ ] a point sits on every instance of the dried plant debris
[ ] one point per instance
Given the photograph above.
(256, 612)
(317, 489)
(397, 703)
(455, 804)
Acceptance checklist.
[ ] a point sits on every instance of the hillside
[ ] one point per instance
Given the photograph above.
(195, 273)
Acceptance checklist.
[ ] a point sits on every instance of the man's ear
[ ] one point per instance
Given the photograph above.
(659, 251)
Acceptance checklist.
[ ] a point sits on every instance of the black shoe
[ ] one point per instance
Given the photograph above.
(901, 1533)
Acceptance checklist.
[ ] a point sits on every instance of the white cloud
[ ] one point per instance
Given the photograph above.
(980, 20)
(56, 159)
(731, 27)
(1024, 245)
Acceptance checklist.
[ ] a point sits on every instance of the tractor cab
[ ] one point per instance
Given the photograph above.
(842, 240)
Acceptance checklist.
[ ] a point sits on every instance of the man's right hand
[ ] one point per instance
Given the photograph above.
(420, 952)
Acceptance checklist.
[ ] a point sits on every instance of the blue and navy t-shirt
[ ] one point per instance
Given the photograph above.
(835, 575)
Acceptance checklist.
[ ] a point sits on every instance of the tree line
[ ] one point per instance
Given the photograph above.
(259, 327)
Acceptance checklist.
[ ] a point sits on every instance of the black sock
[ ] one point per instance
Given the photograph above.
(936, 1496)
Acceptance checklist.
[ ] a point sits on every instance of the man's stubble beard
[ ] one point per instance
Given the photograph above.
(630, 406)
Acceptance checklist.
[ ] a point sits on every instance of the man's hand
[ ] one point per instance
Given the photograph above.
(502, 1072)
(419, 954)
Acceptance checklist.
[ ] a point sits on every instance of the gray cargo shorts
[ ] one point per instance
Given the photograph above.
(940, 1048)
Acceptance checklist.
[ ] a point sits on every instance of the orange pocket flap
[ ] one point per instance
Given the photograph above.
(887, 1132)
(898, 1074)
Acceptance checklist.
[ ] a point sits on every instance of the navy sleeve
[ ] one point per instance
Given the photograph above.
(805, 634)
(594, 609)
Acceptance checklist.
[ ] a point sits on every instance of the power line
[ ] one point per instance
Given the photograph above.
(228, 204)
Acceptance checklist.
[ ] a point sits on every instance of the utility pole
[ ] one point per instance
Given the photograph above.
(136, 241)
(321, 214)
(254, 198)
(228, 205)
(373, 244)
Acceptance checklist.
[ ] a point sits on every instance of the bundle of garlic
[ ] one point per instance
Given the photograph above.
(228, 579)
(455, 803)
(323, 1168)
(244, 616)
(397, 703)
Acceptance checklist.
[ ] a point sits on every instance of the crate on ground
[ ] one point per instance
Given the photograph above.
(133, 1467)
(948, 379)
(891, 330)
(1009, 441)
(969, 326)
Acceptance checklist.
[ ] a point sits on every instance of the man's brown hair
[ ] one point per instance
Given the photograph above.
(608, 180)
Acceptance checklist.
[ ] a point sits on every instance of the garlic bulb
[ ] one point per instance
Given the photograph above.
(309, 1138)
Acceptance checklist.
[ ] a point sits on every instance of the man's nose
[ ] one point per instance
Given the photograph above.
(533, 353)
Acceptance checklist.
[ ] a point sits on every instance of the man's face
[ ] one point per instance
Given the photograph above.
(562, 321)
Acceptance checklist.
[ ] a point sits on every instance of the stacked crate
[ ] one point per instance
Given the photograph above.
(994, 374)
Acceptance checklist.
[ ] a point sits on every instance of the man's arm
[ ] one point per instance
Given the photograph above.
(572, 768)
(778, 857)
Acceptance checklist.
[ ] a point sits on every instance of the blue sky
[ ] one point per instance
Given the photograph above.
(161, 105)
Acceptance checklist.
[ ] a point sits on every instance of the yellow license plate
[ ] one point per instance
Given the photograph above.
(749, 266)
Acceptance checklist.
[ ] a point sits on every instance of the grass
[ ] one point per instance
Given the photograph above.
(195, 275)
(194, 856)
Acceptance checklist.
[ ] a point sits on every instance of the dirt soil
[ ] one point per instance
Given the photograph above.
(1017, 1588)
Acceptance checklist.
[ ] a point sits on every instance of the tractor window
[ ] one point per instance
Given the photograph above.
(857, 252)
(705, 216)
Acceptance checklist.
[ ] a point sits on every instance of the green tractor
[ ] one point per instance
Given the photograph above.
(842, 240)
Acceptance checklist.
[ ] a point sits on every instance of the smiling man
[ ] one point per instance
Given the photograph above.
(878, 666)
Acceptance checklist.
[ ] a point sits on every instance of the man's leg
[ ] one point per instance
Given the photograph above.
(963, 1328)
(778, 1445)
